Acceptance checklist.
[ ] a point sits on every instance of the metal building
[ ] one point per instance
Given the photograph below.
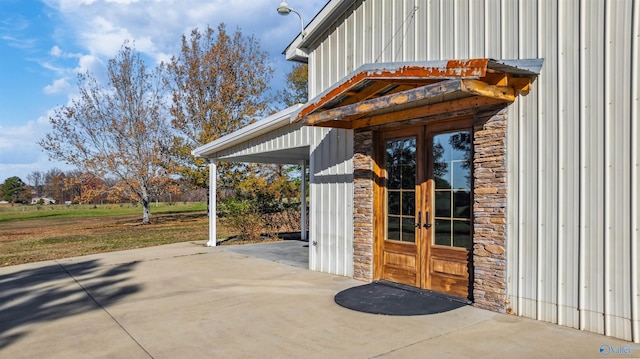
(564, 138)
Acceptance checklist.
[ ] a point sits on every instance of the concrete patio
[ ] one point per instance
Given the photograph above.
(190, 301)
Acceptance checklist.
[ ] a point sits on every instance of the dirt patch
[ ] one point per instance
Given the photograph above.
(37, 240)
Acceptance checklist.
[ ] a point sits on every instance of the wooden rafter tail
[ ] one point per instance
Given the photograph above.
(476, 87)
(521, 85)
(496, 78)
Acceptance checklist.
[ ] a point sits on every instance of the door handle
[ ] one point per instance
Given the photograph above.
(427, 225)
(419, 224)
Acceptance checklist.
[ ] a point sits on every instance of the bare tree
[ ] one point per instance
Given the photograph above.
(119, 129)
(219, 83)
(36, 180)
(54, 184)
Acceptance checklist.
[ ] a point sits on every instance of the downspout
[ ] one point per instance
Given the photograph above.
(635, 253)
(303, 202)
(213, 178)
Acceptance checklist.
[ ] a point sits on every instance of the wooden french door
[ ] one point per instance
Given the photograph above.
(423, 204)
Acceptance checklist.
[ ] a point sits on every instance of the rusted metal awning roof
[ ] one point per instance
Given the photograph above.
(417, 89)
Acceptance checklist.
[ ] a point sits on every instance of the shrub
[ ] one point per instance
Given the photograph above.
(244, 216)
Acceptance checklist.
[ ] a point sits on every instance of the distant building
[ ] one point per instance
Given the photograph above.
(45, 200)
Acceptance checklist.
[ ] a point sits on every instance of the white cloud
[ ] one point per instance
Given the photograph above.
(19, 43)
(55, 51)
(89, 63)
(20, 153)
(126, 2)
(156, 25)
(58, 86)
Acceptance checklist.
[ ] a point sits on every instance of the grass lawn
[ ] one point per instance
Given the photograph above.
(37, 233)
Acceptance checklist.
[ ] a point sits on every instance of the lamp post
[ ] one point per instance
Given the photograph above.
(284, 9)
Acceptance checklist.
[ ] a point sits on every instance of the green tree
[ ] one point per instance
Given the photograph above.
(118, 129)
(219, 84)
(14, 190)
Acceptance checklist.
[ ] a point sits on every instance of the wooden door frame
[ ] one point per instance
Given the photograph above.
(424, 176)
(379, 190)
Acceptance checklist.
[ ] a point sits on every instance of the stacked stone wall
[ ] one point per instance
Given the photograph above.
(363, 177)
(489, 212)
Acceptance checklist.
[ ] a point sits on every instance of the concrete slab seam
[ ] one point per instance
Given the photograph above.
(104, 309)
(427, 339)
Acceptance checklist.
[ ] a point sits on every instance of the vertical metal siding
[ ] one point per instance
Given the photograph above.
(283, 138)
(569, 160)
(476, 29)
(493, 12)
(591, 289)
(573, 157)
(617, 162)
(331, 199)
(635, 180)
(349, 43)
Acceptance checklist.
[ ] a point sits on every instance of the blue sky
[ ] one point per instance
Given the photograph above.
(44, 44)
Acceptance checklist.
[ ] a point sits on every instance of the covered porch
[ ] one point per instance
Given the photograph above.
(276, 140)
(272, 140)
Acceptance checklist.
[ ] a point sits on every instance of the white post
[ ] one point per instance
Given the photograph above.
(213, 178)
(303, 202)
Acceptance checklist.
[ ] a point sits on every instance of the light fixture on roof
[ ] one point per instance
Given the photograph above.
(285, 9)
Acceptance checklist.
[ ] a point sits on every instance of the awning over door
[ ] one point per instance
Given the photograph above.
(418, 89)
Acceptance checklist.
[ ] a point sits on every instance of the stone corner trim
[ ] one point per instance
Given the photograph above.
(489, 211)
(363, 179)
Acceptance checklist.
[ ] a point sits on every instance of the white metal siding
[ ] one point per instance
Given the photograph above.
(573, 153)
(331, 204)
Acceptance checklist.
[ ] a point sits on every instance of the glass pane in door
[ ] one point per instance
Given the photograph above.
(452, 176)
(400, 168)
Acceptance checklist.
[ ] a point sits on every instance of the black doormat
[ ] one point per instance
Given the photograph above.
(389, 299)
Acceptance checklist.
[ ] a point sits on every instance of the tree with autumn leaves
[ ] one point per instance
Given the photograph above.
(219, 84)
(296, 90)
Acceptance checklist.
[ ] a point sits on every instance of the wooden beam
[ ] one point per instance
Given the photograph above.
(338, 123)
(400, 98)
(522, 85)
(476, 87)
(496, 78)
(365, 94)
(426, 111)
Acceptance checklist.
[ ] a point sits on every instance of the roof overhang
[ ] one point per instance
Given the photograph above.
(328, 15)
(263, 126)
(418, 89)
(288, 156)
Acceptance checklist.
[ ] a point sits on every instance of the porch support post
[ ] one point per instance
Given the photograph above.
(213, 178)
(303, 202)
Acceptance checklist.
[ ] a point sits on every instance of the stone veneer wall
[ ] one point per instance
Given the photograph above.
(363, 205)
(489, 212)
(490, 199)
